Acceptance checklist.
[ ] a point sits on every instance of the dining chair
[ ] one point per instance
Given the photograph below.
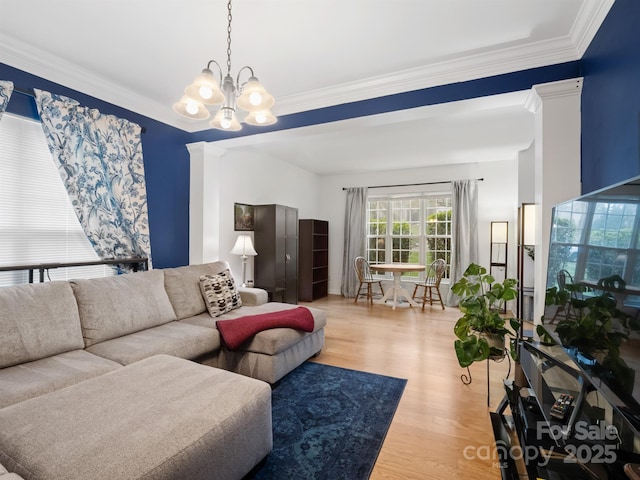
(431, 285)
(564, 278)
(365, 277)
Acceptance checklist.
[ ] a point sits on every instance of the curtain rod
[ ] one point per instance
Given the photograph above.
(24, 91)
(414, 184)
(31, 93)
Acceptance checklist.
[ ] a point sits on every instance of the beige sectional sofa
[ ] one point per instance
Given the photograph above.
(112, 378)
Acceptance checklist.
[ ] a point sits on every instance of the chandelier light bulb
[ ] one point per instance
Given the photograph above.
(225, 123)
(255, 98)
(191, 107)
(260, 118)
(206, 92)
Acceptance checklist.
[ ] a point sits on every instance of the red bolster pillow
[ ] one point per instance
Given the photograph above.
(236, 332)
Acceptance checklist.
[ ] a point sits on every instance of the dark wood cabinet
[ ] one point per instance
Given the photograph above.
(276, 241)
(313, 266)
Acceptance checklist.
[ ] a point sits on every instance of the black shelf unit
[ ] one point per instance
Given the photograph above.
(313, 255)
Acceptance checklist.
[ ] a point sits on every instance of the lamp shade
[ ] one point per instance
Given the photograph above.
(226, 119)
(244, 246)
(205, 89)
(260, 118)
(499, 232)
(529, 224)
(254, 97)
(190, 108)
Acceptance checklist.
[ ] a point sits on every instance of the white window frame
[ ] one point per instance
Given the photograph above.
(421, 237)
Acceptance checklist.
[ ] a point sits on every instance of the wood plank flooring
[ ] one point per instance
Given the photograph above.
(442, 428)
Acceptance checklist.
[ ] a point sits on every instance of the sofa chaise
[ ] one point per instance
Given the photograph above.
(127, 377)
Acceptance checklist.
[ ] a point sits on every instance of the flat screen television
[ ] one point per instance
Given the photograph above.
(592, 302)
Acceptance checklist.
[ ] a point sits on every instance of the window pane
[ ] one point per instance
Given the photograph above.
(570, 220)
(37, 221)
(604, 262)
(438, 229)
(411, 238)
(612, 224)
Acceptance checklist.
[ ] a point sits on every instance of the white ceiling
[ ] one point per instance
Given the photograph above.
(140, 54)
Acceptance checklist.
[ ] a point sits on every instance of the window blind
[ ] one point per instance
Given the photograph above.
(37, 221)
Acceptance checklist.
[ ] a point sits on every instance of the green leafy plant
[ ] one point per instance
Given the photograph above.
(482, 302)
(592, 325)
(591, 322)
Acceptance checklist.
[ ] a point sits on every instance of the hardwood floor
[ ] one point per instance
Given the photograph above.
(442, 428)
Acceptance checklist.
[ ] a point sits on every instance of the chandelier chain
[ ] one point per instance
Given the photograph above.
(207, 90)
(229, 38)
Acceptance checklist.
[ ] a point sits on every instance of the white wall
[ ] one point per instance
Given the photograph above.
(526, 194)
(228, 177)
(497, 198)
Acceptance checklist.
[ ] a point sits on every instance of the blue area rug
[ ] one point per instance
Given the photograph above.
(329, 423)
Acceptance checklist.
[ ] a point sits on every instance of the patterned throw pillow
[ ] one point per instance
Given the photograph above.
(220, 293)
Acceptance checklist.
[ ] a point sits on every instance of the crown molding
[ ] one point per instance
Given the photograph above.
(480, 65)
(588, 21)
(207, 149)
(55, 69)
(450, 71)
(552, 90)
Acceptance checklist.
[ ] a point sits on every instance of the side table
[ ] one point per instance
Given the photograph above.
(275, 294)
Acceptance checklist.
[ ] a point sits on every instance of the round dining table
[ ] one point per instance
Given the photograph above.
(396, 290)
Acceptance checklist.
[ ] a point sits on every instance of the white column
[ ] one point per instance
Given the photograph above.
(204, 202)
(556, 107)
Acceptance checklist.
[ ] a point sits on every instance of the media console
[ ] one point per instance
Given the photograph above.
(564, 423)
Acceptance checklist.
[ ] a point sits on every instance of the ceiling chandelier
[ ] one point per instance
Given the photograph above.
(206, 90)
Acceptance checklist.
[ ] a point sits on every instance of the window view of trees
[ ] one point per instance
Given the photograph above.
(409, 230)
(594, 240)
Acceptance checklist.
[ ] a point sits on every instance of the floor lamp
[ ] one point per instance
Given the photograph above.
(244, 247)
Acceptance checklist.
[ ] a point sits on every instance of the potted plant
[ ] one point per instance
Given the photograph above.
(482, 328)
(593, 328)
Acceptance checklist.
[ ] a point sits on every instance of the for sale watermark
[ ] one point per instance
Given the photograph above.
(587, 444)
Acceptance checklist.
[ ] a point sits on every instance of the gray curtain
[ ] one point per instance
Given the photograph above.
(354, 237)
(464, 231)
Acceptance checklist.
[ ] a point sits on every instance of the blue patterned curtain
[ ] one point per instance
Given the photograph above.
(99, 159)
(6, 88)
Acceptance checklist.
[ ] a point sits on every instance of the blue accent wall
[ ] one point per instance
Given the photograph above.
(611, 100)
(166, 158)
(166, 163)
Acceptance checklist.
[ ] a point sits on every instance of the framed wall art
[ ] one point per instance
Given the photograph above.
(243, 217)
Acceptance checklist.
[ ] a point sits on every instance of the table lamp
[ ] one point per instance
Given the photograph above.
(244, 247)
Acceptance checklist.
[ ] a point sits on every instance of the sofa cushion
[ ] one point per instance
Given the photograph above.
(160, 418)
(271, 368)
(237, 331)
(220, 293)
(114, 306)
(174, 338)
(253, 296)
(37, 321)
(31, 379)
(4, 475)
(268, 342)
(183, 287)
